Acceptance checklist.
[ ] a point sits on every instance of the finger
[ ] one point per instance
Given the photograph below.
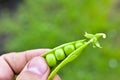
(36, 69)
(6, 72)
(57, 77)
(13, 63)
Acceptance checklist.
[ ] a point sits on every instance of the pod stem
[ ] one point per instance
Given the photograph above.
(94, 38)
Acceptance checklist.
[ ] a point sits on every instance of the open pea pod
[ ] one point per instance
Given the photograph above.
(61, 55)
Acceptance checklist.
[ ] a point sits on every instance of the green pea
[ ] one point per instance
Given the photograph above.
(51, 60)
(59, 53)
(63, 54)
(78, 44)
(68, 49)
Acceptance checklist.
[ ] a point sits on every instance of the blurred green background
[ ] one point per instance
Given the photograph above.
(49, 23)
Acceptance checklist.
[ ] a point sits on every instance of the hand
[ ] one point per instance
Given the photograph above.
(27, 65)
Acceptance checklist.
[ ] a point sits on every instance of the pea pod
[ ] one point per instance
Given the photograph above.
(63, 54)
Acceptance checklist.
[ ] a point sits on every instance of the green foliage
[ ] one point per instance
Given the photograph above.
(46, 24)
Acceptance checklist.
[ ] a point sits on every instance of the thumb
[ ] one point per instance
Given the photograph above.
(36, 69)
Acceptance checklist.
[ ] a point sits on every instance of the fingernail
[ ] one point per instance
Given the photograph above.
(37, 66)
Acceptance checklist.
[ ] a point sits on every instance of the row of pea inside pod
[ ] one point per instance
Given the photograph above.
(59, 54)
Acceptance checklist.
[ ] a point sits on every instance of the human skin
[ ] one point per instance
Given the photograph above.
(28, 65)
